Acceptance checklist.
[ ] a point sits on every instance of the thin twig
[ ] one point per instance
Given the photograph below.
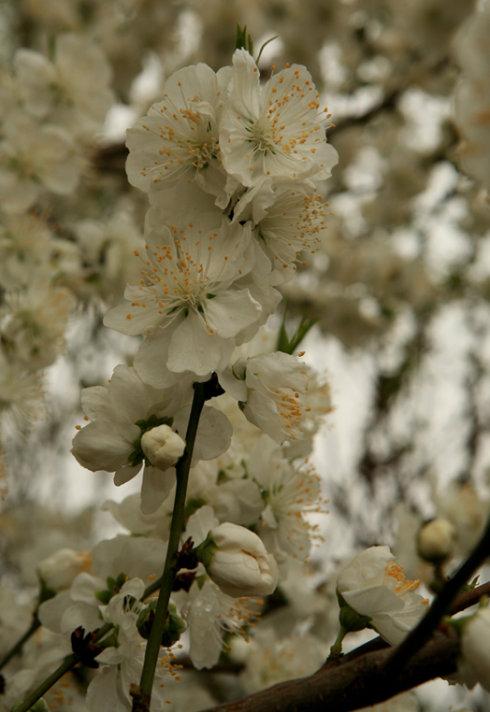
(16, 649)
(142, 695)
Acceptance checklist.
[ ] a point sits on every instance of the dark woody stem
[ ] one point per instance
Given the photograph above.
(16, 649)
(142, 694)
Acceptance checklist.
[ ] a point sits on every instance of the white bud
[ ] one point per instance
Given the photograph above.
(58, 570)
(240, 564)
(162, 446)
(436, 540)
(475, 648)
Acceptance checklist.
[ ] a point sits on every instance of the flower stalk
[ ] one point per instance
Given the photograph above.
(16, 649)
(142, 695)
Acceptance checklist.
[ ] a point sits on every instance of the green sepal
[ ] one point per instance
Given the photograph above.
(174, 625)
(206, 551)
(45, 593)
(349, 619)
(114, 585)
(243, 39)
(192, 505)
(39, 706)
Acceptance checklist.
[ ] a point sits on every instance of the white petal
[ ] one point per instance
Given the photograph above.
(156, 486)
(136, 556)
(193, 349)
(213, 434)
(125, 474)
(151, 358)
(132, 320)
(97, 447)
(231, 312)
(200, 524)
(102, 693)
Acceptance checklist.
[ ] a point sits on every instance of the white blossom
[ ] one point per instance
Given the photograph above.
(281, 395)
(210, 614)
(58, 570)
(107, 248)
(225, 486)
(122, 412)
(189, 301)
(35, 158)
(462, 505)
(271, 659)
(73, 90)
(240, 564)
(474, 665)
(30, 254)
(33, 322)
(178, 139)
(290, 492)
(295, 222)
(274, 131)
(375, 586)
(21, 391)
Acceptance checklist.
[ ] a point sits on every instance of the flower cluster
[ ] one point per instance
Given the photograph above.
(53, 109)
(234, 170)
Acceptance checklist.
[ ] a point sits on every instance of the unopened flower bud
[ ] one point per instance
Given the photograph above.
(436, 540)
(238, 562)
(162, 446)
(58, 570)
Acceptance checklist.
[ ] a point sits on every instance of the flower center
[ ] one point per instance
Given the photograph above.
(401, 583)
(260, 137)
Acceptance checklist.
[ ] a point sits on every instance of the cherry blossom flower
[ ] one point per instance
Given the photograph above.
(190, 301)
(178, 139)
(275, 131)
(376, 587)
(281, 395)
(474, 664)
(122, 412)
(59, 570)
(238, 562)
(73, 90)
(289, 492)
(35, 158)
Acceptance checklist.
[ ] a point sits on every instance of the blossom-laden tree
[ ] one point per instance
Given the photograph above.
(200, 290)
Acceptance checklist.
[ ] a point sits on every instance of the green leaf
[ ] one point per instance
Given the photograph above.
(243, 39)
(288, 345)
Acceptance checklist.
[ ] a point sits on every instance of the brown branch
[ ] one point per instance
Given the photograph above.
(352, 685)
(111, 158)
(386, 103)
(470, 598)
(389, 101)
(361, 677)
